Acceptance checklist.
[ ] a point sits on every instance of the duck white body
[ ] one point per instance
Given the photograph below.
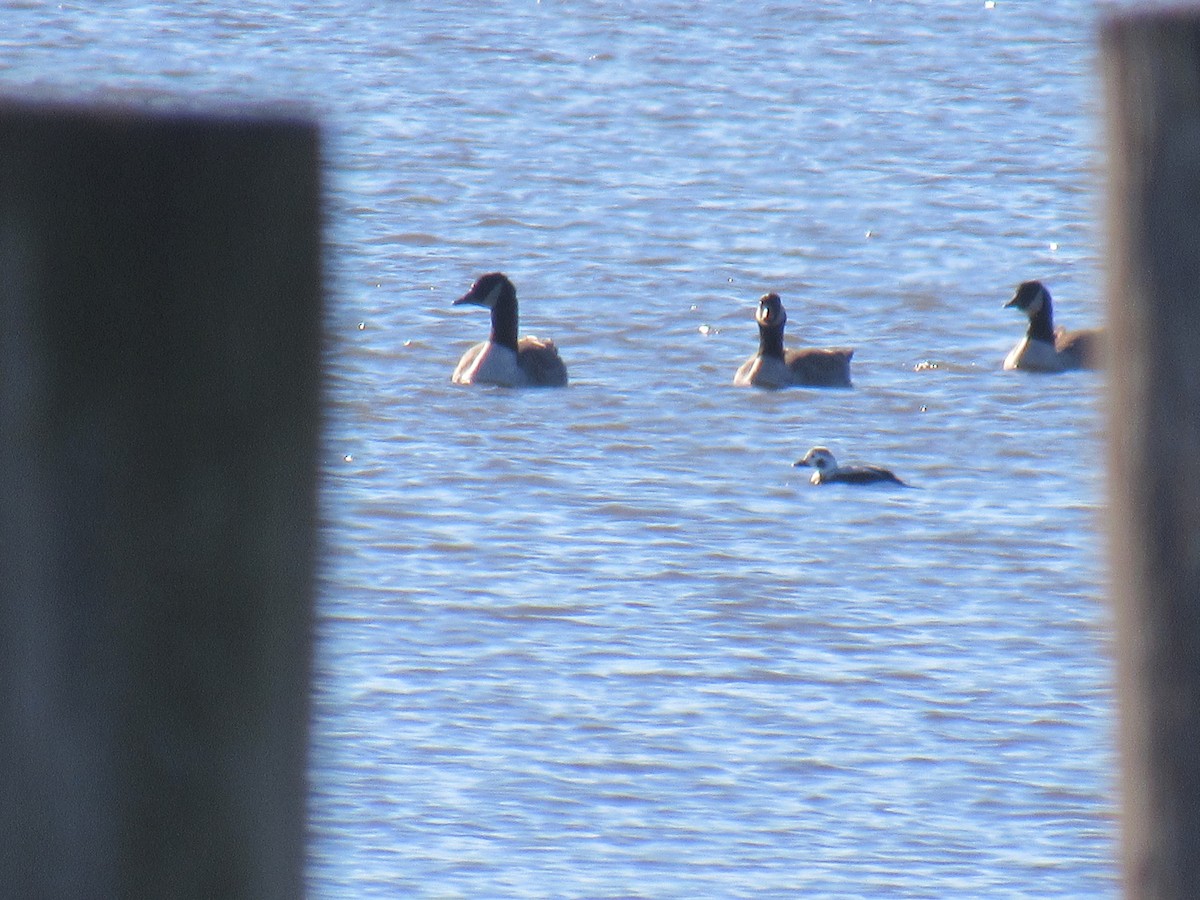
(502, 359)
(1045, 348)
(774, 367)
(829, 472)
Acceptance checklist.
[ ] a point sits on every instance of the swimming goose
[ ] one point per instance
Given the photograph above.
(502, 359)
(1045, 349)
(829, 472)
(774, 367)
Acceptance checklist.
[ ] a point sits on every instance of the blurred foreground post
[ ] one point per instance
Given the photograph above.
(1152, 78)
(159, 399)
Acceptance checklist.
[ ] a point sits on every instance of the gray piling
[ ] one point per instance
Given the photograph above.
(1151, 64)
(160, 294)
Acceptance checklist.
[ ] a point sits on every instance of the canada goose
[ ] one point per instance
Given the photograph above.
(502, 359)
(1045, 349)
(774, 367)
(829, 472)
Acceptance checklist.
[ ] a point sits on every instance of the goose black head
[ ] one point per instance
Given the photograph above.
(487, 290)
(1030, 297)
(771, 313)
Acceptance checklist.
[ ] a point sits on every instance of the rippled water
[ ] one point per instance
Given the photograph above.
(606, 641)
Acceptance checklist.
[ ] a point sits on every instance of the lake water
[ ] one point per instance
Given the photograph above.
(606, 641)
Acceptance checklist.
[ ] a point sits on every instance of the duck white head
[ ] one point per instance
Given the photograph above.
(819, 458)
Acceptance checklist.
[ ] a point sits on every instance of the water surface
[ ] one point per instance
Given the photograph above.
(606, 641)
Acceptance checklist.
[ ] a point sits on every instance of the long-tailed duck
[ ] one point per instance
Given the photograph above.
(829, 472)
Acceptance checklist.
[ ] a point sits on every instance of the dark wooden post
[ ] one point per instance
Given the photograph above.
(1151, 65)
(159, 401)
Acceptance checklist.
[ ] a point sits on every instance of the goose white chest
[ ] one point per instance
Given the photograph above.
(1033, 355)
(489, 363)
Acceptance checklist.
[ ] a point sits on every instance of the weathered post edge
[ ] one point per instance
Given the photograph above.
(1151, 69)
(160, 294)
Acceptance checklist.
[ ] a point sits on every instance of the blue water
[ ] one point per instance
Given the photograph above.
(606, 641)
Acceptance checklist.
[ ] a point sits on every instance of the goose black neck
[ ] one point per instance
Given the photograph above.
(770, 341)
(1041, 323)
(504, 318)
